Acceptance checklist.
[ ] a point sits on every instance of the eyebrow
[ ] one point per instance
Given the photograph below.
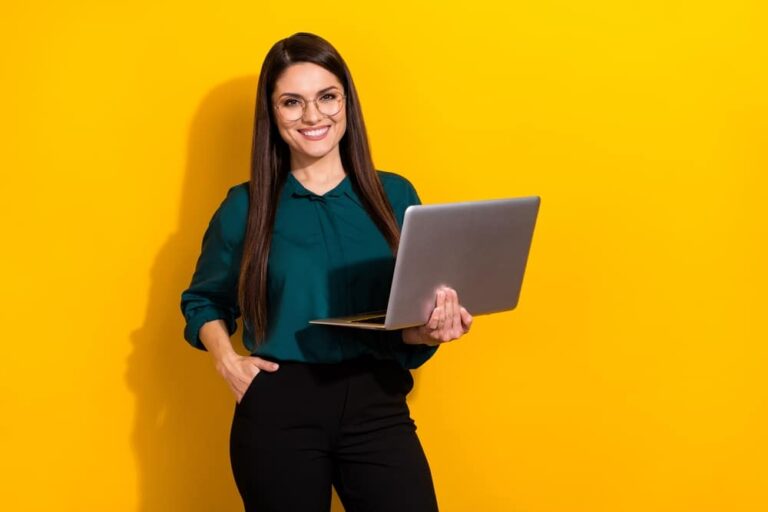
(293, 94)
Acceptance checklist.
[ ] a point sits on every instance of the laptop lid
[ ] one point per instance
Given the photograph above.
(478, 248)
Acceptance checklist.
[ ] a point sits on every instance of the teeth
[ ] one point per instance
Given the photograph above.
(314, 133)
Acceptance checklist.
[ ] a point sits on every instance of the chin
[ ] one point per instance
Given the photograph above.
(316, 152)
(313, 155)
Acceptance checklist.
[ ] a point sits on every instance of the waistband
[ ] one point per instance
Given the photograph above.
(356, 362)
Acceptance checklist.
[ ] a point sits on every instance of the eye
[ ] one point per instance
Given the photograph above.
(290, 102)
(329, 96)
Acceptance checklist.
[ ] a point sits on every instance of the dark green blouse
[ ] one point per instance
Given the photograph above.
(327, 259)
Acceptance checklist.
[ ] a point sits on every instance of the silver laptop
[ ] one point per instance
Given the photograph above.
(478, 248)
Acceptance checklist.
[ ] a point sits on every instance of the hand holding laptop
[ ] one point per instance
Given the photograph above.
(487, 266)
(449, 321)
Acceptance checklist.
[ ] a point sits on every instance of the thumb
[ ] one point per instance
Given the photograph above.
(263, 364)
(466, 318)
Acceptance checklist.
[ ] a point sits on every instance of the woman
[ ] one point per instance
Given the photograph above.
(313, 234)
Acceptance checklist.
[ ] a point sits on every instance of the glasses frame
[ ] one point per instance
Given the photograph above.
(306, 103)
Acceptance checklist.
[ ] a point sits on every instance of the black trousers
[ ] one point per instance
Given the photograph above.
(305, 427)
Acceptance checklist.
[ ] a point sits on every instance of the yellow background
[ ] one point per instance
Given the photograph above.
(632, 376)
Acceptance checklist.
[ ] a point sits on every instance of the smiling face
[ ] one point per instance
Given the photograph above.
(309, 81)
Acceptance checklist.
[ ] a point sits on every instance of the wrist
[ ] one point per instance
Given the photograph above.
(224, 360)
(412, 336)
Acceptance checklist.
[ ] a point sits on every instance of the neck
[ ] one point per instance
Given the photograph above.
(325, 169)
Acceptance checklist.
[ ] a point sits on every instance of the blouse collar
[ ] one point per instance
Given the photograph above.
(344, 187)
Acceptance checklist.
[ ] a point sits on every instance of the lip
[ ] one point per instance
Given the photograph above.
(327, 131)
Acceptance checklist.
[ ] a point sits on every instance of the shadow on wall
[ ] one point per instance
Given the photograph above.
(183, 407)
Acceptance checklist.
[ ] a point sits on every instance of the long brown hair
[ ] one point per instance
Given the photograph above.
(270, 165)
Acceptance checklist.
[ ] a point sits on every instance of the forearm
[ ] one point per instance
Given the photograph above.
(215, 336)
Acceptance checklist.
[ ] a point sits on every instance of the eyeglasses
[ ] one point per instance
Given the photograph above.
(292, 109)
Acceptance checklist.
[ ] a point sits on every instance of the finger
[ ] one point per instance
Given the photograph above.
(450, 311)
(457, 316)
(263, 364)
(466, 319)
(435, 318)
(457, 330)
(441, 305)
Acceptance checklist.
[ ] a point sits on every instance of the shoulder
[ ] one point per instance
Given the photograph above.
(239, 192)
(397, 186)
(236, 200)
(400, 191)
(231, 216)
(392, 178)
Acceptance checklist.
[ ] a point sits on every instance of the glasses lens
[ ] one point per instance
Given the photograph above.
(291, 109)
(330, 103)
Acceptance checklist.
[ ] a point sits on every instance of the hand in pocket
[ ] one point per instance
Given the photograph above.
(240, 371)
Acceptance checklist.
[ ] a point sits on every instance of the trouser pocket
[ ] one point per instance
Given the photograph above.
(250, 387)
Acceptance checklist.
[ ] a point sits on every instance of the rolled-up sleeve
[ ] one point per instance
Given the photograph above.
(409, 356)
(212, 292)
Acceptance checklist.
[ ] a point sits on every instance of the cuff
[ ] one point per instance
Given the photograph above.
(199, 317)
(409, 356)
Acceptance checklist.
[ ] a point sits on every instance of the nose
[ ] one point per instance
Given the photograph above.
(311, 114)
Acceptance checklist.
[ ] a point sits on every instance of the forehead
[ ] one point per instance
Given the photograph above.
(305, 78)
